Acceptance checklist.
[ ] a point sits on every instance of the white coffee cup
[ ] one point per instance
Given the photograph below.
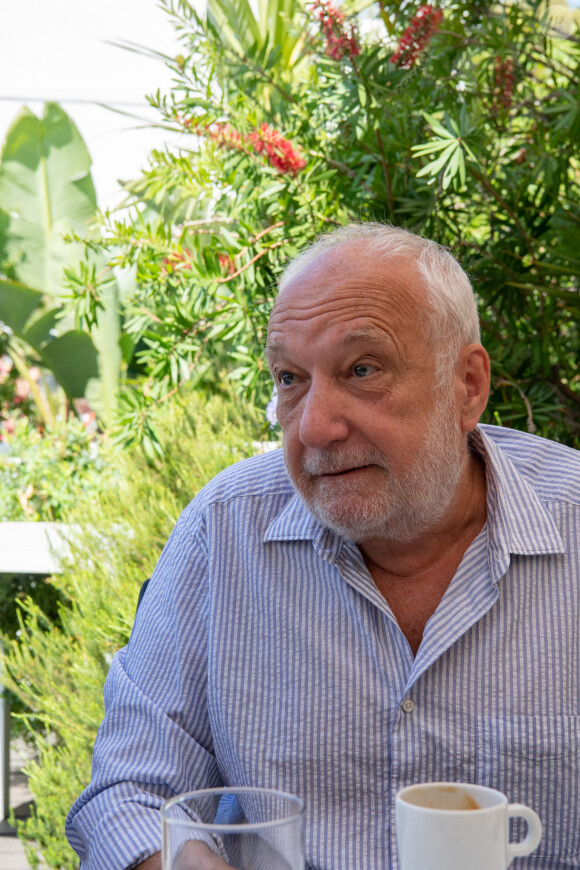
(454, 826)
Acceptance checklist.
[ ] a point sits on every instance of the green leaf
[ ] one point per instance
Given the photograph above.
(46, 190)
(437, 165)
(102, 392)
(42, 329)
(462, 175)
(17, 304)
(437, 127)
(73, 360)
(430, 147)
(127, 345)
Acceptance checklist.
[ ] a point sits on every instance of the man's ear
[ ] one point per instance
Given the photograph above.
(474, 373)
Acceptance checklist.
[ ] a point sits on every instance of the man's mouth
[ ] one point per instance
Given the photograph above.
(343, 472)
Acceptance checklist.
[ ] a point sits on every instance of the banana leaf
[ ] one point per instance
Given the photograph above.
(46, 190)
(71, 357)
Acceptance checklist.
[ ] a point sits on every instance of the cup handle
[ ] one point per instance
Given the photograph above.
(532, 839)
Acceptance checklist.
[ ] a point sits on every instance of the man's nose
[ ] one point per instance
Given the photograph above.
(323, 417)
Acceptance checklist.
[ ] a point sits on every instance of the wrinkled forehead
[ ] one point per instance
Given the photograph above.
(353, 273)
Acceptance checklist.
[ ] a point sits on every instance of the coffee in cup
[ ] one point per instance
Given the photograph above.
(452, 826)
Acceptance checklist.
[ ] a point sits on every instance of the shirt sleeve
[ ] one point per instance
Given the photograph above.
(155, 740)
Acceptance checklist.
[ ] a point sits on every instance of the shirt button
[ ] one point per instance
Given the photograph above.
(408, 705)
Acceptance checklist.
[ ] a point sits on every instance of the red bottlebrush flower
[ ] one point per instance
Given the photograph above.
(280, 153)
(227, 264)
(417, 36)
(339, 42)
(225, 134)
(503, 84)
(176, 262)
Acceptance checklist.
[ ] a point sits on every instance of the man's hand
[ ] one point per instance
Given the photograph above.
(193, 856)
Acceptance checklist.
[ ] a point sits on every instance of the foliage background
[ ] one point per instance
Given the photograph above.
(42, 473)
(462, 123)
(57, 666)
(293, 122)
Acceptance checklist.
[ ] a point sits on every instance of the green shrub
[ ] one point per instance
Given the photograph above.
(42, 476)
(43, 473)
(57, 669)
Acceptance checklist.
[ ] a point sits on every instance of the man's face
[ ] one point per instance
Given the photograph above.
(372, 446)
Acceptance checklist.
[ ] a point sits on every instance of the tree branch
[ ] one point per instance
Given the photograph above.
(249, 263)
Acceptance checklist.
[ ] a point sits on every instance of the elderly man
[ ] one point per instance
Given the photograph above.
(394, 599)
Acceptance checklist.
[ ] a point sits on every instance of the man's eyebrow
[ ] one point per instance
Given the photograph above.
(273, 348)
(356, 336)
(362, 334)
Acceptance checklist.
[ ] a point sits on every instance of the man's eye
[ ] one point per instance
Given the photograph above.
(362, 370)
(286, 378)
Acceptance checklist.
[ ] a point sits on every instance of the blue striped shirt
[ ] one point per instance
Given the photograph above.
(263, 654)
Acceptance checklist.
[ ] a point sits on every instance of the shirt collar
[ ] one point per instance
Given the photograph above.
(296, 523)
(517, 521)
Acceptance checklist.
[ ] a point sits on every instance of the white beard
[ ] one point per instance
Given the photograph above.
(406, 506)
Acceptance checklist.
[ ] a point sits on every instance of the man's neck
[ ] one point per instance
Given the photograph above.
(413, 576)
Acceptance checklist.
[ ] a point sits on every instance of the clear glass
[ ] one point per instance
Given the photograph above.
(245, 828)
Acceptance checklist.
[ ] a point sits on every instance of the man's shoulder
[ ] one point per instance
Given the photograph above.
(553, 469)
(260, 476)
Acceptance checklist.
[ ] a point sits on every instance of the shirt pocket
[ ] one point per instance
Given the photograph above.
(535, 760)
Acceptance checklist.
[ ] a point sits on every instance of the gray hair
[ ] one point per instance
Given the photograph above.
(453, 320)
